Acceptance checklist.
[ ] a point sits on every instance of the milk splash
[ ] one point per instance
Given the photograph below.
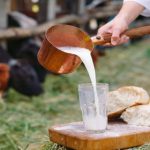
(85, 56)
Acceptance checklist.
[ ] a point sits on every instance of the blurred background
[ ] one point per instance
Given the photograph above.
(33, 99)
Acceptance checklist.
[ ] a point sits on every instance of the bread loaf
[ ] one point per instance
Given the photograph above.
(125, 97)
(137, 115)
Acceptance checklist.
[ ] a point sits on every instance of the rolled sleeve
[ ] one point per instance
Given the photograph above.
(145, 3)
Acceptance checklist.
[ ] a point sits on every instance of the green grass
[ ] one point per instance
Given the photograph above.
(24, 121)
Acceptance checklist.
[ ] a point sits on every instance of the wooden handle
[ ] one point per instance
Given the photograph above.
(132, 33)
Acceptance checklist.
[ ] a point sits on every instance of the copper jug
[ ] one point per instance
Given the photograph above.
(56, 61)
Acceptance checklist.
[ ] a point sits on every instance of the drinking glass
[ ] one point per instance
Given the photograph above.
(94, 117)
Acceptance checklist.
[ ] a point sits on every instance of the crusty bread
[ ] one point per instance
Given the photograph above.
(137, 115)
(125, 97)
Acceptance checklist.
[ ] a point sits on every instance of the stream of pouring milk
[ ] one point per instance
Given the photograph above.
(92, 123)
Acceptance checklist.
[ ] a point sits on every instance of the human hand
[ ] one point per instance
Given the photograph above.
(116, 27)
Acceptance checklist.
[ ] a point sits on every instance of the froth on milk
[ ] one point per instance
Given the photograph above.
(97, 122)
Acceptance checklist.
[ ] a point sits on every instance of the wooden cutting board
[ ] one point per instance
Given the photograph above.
(118, 136)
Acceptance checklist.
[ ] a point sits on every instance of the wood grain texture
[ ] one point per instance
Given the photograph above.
(118, 135)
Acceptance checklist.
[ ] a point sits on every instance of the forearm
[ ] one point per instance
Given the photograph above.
(129, 12)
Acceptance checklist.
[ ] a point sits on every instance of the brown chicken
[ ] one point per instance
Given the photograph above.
(4, 77)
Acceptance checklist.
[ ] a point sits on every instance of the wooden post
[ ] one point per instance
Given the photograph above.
(81, 7)
(42, 15)
(14, 5)
(51, 9)
(81, 12)
(3, 12)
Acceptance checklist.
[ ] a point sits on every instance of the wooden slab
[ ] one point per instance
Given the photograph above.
(118, 135)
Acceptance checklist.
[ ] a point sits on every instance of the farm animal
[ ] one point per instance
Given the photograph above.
(17, 19)
(24, 79)
(28, 51)
(22, 76)
(26, 48)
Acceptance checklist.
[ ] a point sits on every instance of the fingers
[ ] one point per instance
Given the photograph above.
(108, 28)
(115, 38)
(104, 29)
(116, 30)
(123, 39)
